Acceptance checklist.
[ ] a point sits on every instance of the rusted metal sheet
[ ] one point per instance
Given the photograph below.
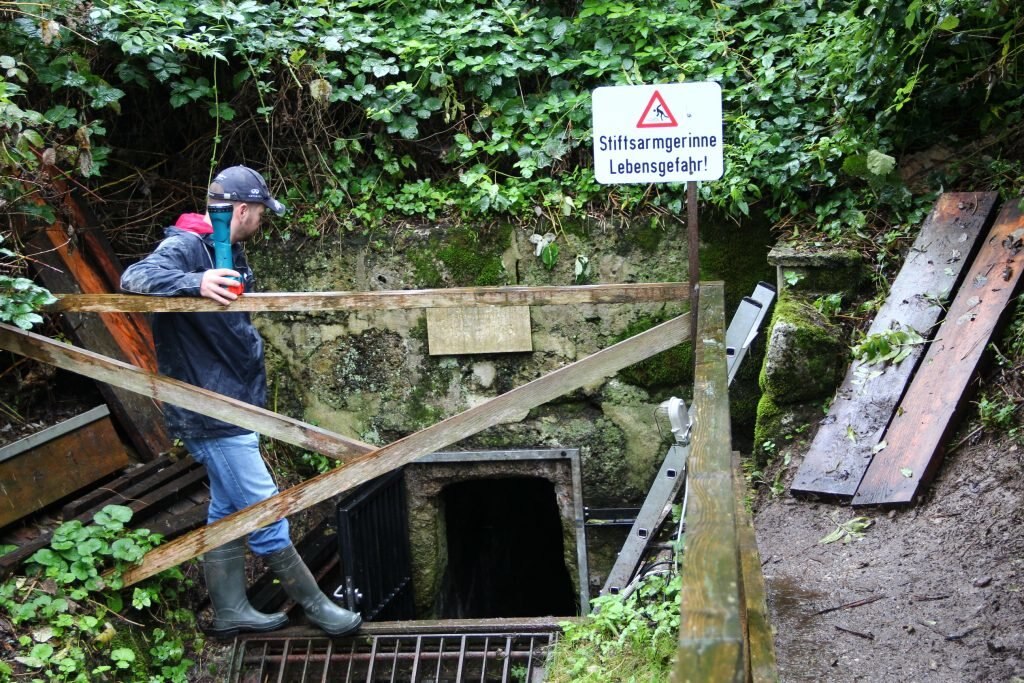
(58, 461)
(842, 447)
(913, 443)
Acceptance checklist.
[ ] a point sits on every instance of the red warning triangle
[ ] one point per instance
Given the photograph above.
(657, 114)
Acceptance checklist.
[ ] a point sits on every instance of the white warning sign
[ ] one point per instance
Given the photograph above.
(662, 133)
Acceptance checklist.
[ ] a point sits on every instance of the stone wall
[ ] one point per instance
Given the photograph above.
(370, 376)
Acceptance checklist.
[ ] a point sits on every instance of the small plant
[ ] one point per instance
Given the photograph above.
(319, 462)
(581, 269)
(792, 277)
(626, 637)
(547, 249)
(20, 298)
(890, 346)
(66, 609)
(848, 531)
(996, 414)
(830, 305)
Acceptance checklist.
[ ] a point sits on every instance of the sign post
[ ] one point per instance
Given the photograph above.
(661, 133)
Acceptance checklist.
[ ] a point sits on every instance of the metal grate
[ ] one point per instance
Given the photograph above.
(373, 537)
(486, 657)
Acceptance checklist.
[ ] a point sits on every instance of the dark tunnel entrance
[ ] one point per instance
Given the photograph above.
(506, 555)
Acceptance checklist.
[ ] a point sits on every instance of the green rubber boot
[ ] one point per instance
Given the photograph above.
(299, 584)
(225, 580)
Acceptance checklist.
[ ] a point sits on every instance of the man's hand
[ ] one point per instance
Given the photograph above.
(221, 285)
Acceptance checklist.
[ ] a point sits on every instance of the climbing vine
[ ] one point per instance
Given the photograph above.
(377, 110)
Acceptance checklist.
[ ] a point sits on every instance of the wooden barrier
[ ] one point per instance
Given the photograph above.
(723, 632)
(722, 597)
(312, 302)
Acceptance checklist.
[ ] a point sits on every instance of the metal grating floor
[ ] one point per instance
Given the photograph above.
(486, 651)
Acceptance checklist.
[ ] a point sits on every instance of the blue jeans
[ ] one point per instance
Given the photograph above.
(238, 479)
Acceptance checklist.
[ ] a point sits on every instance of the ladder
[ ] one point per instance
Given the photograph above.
(741, 333)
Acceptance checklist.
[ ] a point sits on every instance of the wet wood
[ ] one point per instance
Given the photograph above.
(507, 407)
(711, 643)
(169, 390)
(843, 446)
(164, 483)
(760, 660)
(925, 417)
(79, 454)
(69, 259)
(311, 302)
(131, 476)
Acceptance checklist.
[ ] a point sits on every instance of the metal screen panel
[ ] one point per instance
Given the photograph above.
(374, 544)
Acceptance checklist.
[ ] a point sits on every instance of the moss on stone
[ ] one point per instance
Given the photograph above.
(805, 356)
(768, 428)
(735, 254)
(648, 235)
(672, 368)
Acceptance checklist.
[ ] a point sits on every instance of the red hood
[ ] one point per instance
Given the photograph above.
(194, 222)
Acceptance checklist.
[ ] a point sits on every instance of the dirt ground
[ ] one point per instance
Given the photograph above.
(933, 592)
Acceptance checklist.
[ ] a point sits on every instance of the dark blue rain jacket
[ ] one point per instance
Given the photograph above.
(222, 352)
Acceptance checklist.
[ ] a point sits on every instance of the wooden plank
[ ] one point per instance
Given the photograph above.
(371, 465)
(761, 663)
(76, 507)
(842, 447)
(169, 390)
(62, 266)
(629, 293)
(710, 632)
(113, 494)
(170, 525)
(80, 456)
(914, 440)
(486, 329)
(50, 433)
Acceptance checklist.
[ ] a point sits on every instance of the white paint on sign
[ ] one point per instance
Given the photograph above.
(661, 133)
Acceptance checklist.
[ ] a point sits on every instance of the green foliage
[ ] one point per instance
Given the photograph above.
(890, 346)
(381, 110)
(997, 413)
(625, 638)
(67, 605)
(319, 462)
(829, 305)
(19, 296)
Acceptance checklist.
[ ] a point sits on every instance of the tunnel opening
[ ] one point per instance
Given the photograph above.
(506, 552)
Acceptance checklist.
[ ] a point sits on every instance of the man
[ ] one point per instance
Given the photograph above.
(223, 352)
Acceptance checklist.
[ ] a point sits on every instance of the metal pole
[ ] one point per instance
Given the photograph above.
(693, 247)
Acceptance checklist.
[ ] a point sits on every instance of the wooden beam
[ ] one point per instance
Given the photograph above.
(843, 446)
(64, 265)
(711, 646)
(914, 440)
(81, 451)
(309, 302)
(371, 465)
(121, 374)
(760, 661)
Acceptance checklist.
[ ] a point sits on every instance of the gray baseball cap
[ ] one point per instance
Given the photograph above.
(242, 184)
